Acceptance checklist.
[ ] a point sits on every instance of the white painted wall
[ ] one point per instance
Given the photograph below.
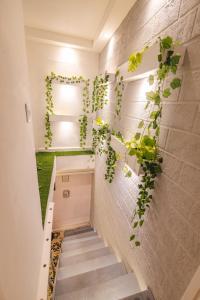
(44, 59)
(20, 214)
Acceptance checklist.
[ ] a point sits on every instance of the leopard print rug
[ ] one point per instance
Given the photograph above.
(56, 243)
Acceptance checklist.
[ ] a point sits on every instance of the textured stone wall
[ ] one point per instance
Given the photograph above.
(170, 238)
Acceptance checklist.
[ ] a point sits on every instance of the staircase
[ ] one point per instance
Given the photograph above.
(89, 270)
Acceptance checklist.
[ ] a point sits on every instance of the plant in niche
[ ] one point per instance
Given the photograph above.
(83, 120)
(100, 92)
(101, 135)
(53, 78)
(145, 143)
(119, 88)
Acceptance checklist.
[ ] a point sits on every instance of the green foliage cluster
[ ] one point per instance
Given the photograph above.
(119, 88)
(145, 143)
(83, 120)
(100, 92)
(110, 163)
(101, 145)
(135, 59)
(100, 135)
(53, 78)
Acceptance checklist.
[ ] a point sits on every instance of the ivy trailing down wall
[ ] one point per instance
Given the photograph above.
(144, 144)
(100, 92)
(119, 89)
(53, 78)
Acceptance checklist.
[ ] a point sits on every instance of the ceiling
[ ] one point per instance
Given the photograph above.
(86, 24)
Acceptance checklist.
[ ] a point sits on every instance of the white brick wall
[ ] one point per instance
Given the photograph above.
(170, 250)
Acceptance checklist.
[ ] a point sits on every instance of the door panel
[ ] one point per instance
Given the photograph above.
(72, 201)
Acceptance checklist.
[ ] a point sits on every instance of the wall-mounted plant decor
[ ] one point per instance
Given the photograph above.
(119, 88)
(145, 143)
(100, 92)
(100, 135)
(53, 78)
(83, 120)
(102, 145)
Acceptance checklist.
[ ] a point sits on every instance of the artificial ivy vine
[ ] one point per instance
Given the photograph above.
(145, 143)
(83, 120)
(119, 88)
(53, 78)
(100, 92)
(101, 135)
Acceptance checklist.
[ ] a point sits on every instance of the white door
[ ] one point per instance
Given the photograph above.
(72, 201)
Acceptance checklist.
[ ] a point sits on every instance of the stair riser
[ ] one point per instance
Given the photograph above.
(145, 295)
(68, 247)
(66, 261)
(90, 278)
(79, 235)
(83, 239)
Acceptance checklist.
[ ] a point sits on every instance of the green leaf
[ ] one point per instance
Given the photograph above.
(132, 237)
(135, 224)
(166, 43)
(137, 243)
(148, 141)
(150, 95)
(151, 79)
(141, 222)
(141, 124)
(175, 59)
(154, 115)
(160, 57)
(166, 92)
(153, 96)
(137, 136)
(175, 83)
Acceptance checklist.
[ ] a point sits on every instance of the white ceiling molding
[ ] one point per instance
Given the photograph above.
(59, 39)
(114, 14)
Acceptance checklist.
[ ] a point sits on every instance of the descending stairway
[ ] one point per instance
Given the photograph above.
(89, 270)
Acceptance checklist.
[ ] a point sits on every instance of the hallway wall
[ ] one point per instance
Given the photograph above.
(20, 213)
(170, 243)
(44, 59)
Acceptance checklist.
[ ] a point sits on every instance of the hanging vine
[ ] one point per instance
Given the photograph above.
(119, 88)
(100, 92)
(145, 143)
(83, 120)
(53, 78)
(101, 135)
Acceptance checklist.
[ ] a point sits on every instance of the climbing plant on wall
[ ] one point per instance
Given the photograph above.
(119, 88)
(145, 142)
(101, 145)
(100, 92)
(53, 78)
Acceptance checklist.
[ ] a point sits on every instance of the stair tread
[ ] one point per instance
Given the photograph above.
(66, 261)
(93, 277)
(86, 266)
(117, 288)
(83, 249)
